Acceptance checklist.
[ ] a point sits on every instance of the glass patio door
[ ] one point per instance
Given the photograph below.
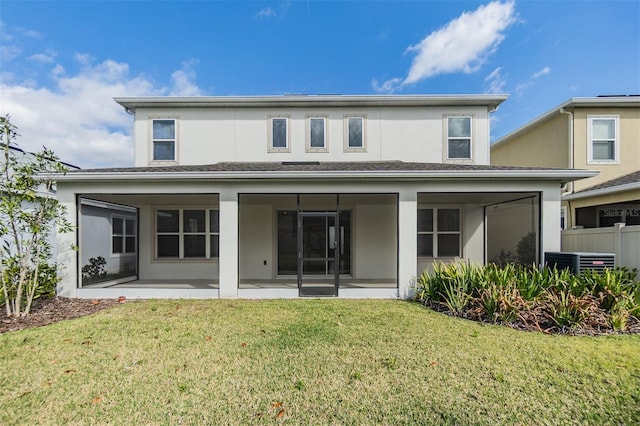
(318, 254)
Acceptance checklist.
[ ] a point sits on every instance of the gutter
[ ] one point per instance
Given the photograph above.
(562, 175)
(602, 191)
(571, 143)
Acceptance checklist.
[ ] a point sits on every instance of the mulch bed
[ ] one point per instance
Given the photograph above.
(52, 309)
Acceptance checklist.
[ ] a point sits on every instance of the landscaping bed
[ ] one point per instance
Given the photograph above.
(536, 299)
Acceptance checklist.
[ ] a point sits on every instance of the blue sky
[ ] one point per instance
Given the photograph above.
(62, 62)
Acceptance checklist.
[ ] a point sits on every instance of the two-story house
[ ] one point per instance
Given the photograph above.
(287, 196)
(601, 133)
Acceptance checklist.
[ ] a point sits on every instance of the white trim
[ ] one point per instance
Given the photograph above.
(564, 175)
(308, 147)
(181, 234)
(124, 235)
(447, 158)
(435, 232)
(287, 139)
(616, 141)
(363, 120)
(602, 191)
(490, 101)
(176, 121)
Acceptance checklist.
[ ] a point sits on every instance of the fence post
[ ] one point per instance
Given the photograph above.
(617, 242)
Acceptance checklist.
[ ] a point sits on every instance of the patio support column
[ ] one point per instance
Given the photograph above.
(228, 279)
(550, 219)
(66, 255)
(407, 242)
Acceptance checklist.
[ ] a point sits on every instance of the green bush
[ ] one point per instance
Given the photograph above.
(47, 278)
(512, 292)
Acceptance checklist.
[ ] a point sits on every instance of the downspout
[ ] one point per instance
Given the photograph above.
(491, 110)
(569, 187)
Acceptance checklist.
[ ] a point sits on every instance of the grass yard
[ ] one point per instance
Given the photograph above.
(310, 362)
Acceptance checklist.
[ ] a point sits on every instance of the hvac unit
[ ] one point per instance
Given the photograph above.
(577, 261)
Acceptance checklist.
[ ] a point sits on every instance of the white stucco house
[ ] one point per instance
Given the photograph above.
(289, 196)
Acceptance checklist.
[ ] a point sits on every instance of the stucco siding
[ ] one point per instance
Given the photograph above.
(545, 145)
(211, 135)
(629, 140)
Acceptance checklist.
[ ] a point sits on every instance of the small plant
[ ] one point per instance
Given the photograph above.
(95, 268)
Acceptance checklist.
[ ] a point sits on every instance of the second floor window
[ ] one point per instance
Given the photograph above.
(279, 134)
(355, 138)
(316, 134)
(459, 138)
(603, 144)
(164, 140)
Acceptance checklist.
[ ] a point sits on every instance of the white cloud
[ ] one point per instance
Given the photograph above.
(495, 81)
(462, 45)
(543, 71)
(184, 80)
(267, 12)
(520, 88)
(77, 117)
(46, 57)
(8, 53)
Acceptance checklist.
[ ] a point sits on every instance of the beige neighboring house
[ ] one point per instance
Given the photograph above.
(598, 133)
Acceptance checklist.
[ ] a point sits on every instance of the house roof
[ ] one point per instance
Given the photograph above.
(490, 101)
(619, 184)
(327, 170)
(631, 101)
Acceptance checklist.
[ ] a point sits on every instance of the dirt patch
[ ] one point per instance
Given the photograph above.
(49, 310)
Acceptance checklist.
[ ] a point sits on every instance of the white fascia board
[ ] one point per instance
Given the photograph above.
(602, 191)
(560, 175)
(490, 101)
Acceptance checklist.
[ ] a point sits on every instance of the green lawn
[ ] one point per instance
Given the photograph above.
(310, 362)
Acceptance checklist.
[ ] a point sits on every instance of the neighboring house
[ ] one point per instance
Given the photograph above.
(601, 133)
(287, 196)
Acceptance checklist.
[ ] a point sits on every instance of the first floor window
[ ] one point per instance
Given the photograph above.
(459, 137)
(187, 233)
(164, 140)
(123, 235)
(439, 232)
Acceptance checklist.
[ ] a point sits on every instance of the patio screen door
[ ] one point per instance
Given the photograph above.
(318, 254)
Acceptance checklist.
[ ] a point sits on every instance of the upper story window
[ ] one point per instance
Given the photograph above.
(355, 133)
(439, 232)
(458, 138)
(279, 134)
(164, 139)
(316, 134)
(603, 145)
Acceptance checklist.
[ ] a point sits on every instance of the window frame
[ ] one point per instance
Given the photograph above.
(181, 233)
(616, 139)
(152, 120)
(325, 147)
(447, 138)
(287, 138)
(124, 235)
(435, 232)
(347, 125)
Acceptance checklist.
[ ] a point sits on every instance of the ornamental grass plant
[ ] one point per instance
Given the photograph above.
(540, 298)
